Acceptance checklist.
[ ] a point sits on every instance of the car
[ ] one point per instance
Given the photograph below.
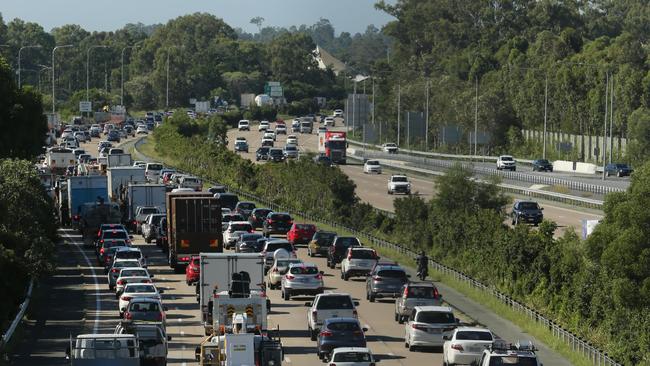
(415, 294)
(108, 127)
(295, 125)
(500, 353)
(302, 279)
(129, 130)
(84, 158)
(188, 181)
(245, 208)
(620, 170)
(152, 171)
(141, 213)
(114, 136)
(301, 233)
(465, 345)
(228, 200)
(95, 131)
(79, 136)
(352, 356)
(232, 216)
(339, 248)
(262, 153)
(144, 309)
(398, 183)
(152, 339)
(244, 125)
(269, 134)
(78, 152)
(109, 247)
(124, 253)
(321, 129)
(291, 152)
(193, 270)
(385, 281)
(542, 165)
(229, 236)
(329, 305)
(390, 148)
(339, 332)
(263, 126)
(142, 130)
(116, 233)
(217, 189)
(426, 326)
(329, 122)
(358, 262)
(280, 129)
(372, 166)
(292, 139)
(306, 127)
(277, 223)
(506, 162)
(526, 212)
(323, 159)
(320, 243)
(248, 243)
(338, 113)
(267, 143)
(114, 271)
(140, 164)
(131, 275)
(269, 251)
(280, 266)
(241, 146)
(104, 227)
(139, 290)
(258, 216)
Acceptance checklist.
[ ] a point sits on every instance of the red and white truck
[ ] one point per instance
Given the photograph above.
(333, 144)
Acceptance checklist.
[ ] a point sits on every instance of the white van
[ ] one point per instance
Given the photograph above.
(152, 172)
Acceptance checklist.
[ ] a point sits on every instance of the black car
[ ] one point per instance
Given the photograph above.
(217, 189)
(228, 200)
(338, 249)
(542, 165)
(323, 159)
(276, 155)
(262, 153)
(527, 212)
(241, 145)
(258, 216)
(339, 332)
(620, 170)
(277, 223)
(249, 243)
(113, 135)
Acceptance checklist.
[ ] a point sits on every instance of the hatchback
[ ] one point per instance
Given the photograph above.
(320, 243)
(144, 309)
(146, 290)
(427, 325)
(301, 233)
(358, 261)
(385, 281)
(339, 332)
(114, 271)
(302, 279)
(258, 216)
(279, 268)
(277, 223)
(352, 356)
(193, 270)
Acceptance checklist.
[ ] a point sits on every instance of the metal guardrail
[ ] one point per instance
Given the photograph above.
(6, 337)
(577, 344)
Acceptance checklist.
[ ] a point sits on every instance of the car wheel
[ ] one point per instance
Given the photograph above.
(309, 253)
(371, 297)
(345, 277)
(286, 294)
(618, 174)
(401, 319)
(312, 334)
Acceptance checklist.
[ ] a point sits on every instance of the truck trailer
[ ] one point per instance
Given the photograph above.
(85, 189)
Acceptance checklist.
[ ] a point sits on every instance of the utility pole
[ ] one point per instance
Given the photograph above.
(476, 120)
(88, 68)
(122, 76)
(604, 154)
(373, 113)
(19, 63)
(426, 120)
(399, 108)
(545, 112)
(53, 81)
(611, 122)
(354, 106)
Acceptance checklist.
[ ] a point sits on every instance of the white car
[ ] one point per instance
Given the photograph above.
(263, 126)
(506, 162)
(358, 262)
(390, 148)
(139, 290)
(280, 129)
(329, 122)
(269, 135)
(338, 113)
(427, 325)
(292, 140)
(131, 275)
(244, 125)
(372, 166)
(352, 356)
(142, 130)
(281, 263)
(399, 184)
(127, 253)
(302, 279)
(465, 345)
(229, 239)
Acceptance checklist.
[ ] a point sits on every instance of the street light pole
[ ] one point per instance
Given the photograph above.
(476, 120)
(545, 113)
(88, 67)
(53, 82)
(122, 76)
(167, 87)
(20, 50)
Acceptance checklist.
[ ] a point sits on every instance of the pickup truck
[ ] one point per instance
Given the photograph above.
(399, 184)
(326, 306)
(415, 294)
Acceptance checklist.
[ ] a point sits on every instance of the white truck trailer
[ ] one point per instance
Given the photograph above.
(122, 176)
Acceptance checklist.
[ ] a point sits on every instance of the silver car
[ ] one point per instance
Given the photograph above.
(302, 279)
(278, 270)
(291, 152)
(114, 271)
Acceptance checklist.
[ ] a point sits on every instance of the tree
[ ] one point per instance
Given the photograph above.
(258, 21)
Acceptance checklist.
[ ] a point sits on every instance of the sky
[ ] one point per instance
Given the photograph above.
(345, 15)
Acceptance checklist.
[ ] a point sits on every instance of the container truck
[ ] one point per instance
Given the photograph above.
(115, 160)
(93, 215)
(137, 195)
(193, 227)
(333, 144)
(58, 158)
(85, 189)
(119, 179)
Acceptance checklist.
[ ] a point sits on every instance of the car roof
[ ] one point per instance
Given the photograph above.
(144, 299)
(341, 320)
(351, 349)
(128, 249)
(132, 268)
(380, 267)
(445, 309)
(302, 264)
(473, 329)
(238, 222)
(334, 294)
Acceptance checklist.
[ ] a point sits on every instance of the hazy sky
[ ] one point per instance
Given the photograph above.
(345, 15)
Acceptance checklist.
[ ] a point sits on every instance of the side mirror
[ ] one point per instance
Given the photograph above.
(356, 303)
(364, 329)
(123, 309)
(322, 272)
(161, 291)
(457, 321)
(151, 275)
(308, 304)
(165, 308)
(130, 236)
(445, 337)
(542, 208)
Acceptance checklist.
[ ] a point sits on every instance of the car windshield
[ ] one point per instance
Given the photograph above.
(473, 336)
(363, 254)
(114, 244)
(304, 270)
(155, 219)
(343, 326)
(246, 205)
(133, 273)
(422, 292)
(400, 179)
(128, 254)
(544, 162)
(621, 166)
(337, 144)
(286, 262)
(392, 273)
(506, 158)
(351, 357)
(335, 302)
(137, 288)
(290, 148)
(391, 145)
(240, 227)
(122, 264)
(372, 162)
(528, 206)
(251, 237)
(144, 307)
(275, 152)
(263, 150)
(512, 361)
(435, 317)
(240, 142)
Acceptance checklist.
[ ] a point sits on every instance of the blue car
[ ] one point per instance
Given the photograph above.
(339, 332)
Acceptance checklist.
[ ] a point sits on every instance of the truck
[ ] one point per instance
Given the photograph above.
(120, 177)
(193, 227)
(240, 349)
(218, 290)
(115, 160)
(152, 338)
(333, 144)
(85, 189)
(144, 194)
(58, 158)
(93, 214)
(104, 350)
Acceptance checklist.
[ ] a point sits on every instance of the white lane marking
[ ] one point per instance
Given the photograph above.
(287, 359)
(180, 320)
(391, 354)
(182, 333)
(98, 302)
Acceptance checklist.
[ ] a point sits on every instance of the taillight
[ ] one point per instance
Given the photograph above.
(120, 282)
(349, 255)
(376, 278)
(101, 251)
(114, 270)
(419, 327)
(126, 298)
(269, 221)
(325, 333)
(128, 316)
(314, 315)
(319, 276)
(290, 277)
(436, 294)
(457, 347)
(275, 270)
(159, 316)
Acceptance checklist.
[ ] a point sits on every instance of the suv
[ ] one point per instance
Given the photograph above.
(427, 325)
(302, 278)
(263, 126)
(327, 306)
(277, 223)
(244, 125)
(390, 148)
(258, 216)
(276, 155)
(542, 165)
(385, 281)
(245, 208)
(506, 162)
(620, 170)
(229, 236)
(522, 353)
(301, 233)
(399, 184)
(416, 294)
(358, 262)
(241, 146)
(320, 243)
(339, 247)
(527, 212)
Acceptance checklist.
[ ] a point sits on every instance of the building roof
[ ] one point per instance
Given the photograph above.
(325, 60)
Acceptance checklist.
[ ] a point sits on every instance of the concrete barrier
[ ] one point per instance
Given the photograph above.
(574, 167)
(586, 168)
(563, 166)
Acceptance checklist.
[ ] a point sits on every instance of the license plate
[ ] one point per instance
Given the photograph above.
(475, 349)
(435, 330)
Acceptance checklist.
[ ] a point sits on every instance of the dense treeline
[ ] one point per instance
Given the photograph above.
(509, 47)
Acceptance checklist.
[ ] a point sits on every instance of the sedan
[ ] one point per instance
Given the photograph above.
(352, 356)
(133, 275)
(465, 345)
(193, 270)
(292, 140)
(302, 279)
(114, 271)
(142, 130)
(372, 166)
(619, 170)
(542, 165)
(339, 332)
(132, 290)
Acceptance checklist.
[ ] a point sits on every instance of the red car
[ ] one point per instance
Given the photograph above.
(301, 233)
(192, 271)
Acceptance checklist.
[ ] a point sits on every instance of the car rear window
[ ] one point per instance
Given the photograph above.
(308, 227)
(435, 317)
(240, 227)
(112, 244)
(117, 234)
(137, 288)
(343, 326)
(133, 273)
(351, 357)
(196, 261)
(154, 166)
(528, 205)
(304, 270)
(281, 217)
(347, 242)
(421, 292)
(512, 361)
(334, 302)
(144, 307)
(392, 273)
(130, 254)
(372, 162)
(246, 205)
(122, 264)
(324, 238)
(363, 254)
(474, 336)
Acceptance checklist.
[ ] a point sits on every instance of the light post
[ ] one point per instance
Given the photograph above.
(53, 82)
(20, 50)
(167, 83)
(122, 75)
(43, 67)
(88, 67)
